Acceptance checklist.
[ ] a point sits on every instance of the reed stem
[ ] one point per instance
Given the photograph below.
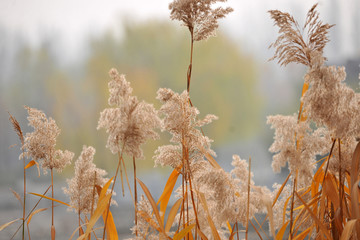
(135, 194)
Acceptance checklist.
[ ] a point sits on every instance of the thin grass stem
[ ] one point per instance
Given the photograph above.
(52, 203)
(30, 213)
(292, 205)
(112, 188)
(23, 227)
(248, 202)
(135, 194)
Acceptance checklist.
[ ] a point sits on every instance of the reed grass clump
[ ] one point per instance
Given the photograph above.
(319, 199)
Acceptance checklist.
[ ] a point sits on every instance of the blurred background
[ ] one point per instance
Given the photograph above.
(55, 56)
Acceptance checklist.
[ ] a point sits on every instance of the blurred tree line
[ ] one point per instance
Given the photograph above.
(152, 55)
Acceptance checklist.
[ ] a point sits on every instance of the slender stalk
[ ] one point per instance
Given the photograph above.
(187, 206)
(30, 213)
(248, 202)
(237, 230)
(135, 194)
(93, 196)
(92, 200)
(292, 206)
(79, 221)
(340, 184)
(23, 227)
(52, 202)
(112, 188)
(190, 65)
(183, 194)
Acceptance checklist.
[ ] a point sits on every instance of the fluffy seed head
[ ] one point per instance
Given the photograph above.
(40, 144)
(198, 16)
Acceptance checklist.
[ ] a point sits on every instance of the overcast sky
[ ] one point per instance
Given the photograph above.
(71, 20)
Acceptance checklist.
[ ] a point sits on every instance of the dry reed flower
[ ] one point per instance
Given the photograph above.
(279, 216)
(130, 123)
(144, 229)
(298, 145)
(227, 193)
(290, 45)
(330, 102)
(80, 187)
(40, 144)
(17, 128)
(180, 119)
(198, 16)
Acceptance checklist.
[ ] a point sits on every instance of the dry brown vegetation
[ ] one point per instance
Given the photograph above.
(318, 200)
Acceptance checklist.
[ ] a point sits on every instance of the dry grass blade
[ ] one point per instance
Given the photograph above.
(105, 188)
(281, 232)
(302, 117)
(165, 196)
(354, 172)
(281, 189)
(17, 196)
(318, 222)
(208, 156)
(52, 199)
(100, 209)
(330, 190)
(211, 223)
(277, 197)
(110, 226)
(231, 230)
(202, 235)
(355, 200)
(35, 212)
(149, 220)
(303, 234)
(76, 231)
(172, 214)
(32, 163)
(153, 204)
(183, 232)
(2, 227)
(271, 217)
(348, 229)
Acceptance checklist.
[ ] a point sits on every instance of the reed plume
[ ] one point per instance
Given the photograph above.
(40, 145)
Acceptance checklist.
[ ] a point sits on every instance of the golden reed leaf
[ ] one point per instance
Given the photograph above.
(316, 219)
(165, 196)
(172, 214)
(280, 234)
(2, 227)
(35, 212)
(183, 232)
(348, 230)
(153, 204)
(110, 226)
(52, 199)
(32, 163)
